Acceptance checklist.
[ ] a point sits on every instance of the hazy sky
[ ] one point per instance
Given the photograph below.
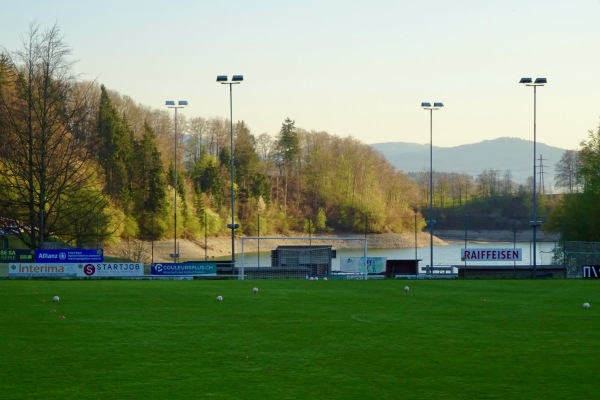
(358, 68)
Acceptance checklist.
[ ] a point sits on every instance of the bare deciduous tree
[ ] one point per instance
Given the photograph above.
(44, 160)
(567, 171)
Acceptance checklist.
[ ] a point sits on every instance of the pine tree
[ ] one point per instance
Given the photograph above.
(288, 150)
(150, 184)
(115, 150)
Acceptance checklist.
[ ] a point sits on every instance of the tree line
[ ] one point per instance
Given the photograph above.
(578, 208)
(83, 164)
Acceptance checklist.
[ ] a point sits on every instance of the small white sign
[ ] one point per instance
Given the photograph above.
(374, 265)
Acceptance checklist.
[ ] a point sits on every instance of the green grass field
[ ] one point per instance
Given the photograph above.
(297, 339)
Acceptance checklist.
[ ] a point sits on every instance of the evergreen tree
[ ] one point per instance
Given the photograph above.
(288, 150)
(150, 184)
(245, 156)
(207, 180)
(115, 150)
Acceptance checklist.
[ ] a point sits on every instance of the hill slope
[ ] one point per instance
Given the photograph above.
(500, 154)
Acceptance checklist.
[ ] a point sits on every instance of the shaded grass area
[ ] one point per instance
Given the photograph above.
(299, 339)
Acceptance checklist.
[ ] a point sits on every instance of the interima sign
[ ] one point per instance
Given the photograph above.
(500, 254)
(72, 270)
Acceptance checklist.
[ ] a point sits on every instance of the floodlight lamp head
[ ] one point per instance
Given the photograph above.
(221, 78)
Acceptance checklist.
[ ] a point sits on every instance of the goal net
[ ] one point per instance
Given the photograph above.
(302, 258)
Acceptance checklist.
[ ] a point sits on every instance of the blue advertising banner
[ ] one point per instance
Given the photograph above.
(206, 269)
(69, 255)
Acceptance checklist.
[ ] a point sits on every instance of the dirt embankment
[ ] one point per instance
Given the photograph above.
(220, 247)
(487, 236)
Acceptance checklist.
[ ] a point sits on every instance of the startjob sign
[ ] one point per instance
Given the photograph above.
(501, 254)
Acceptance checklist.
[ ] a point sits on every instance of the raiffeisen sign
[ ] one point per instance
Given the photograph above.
(491, 254)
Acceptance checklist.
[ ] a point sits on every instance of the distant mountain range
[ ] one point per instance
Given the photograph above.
(499, 154)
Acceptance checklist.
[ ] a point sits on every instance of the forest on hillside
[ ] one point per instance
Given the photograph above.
(83, 164)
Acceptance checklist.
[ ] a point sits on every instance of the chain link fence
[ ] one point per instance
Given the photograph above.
(574, 255)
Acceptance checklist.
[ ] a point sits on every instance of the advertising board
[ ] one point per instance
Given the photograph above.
(112, 270)
(16, 255)
(206, 269)
(44, 270)
(374, 265)
(74, 270)
(491, 254)
(591, 271)
(69, 255)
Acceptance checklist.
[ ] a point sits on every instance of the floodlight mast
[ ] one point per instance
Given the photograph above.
(534, 221)
(171, 104)
(235, 79)
(431, 220)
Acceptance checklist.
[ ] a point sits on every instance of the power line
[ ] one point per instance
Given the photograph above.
(541, 172)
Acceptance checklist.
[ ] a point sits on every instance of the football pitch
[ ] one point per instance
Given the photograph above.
(299, 339)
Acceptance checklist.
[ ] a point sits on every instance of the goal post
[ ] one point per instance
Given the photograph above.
(315, 257)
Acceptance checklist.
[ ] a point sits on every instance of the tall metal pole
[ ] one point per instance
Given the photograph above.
(175, 194)
(171, 104)
(466, 220)
(431, 221)
(514, 244)
(235, 79)
(152, 243)
(416, 243)
(535, 221)
(232, 177)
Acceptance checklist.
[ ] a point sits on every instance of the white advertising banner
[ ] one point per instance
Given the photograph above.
(106, 269)
(44, 270)
(74, 270)
(374, 265)
(352, 264)
(498, 254)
